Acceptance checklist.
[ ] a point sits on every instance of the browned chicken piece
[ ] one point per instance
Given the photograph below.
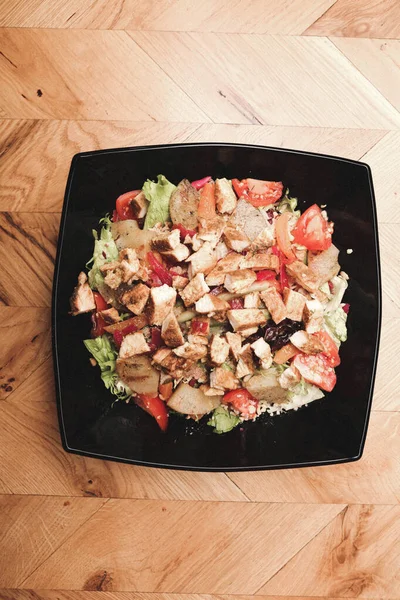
(110, 316)
(260, 260)
(191, 351)
(265, 239)
(245, 365)
(132, 344)
(245, 333)
(176, 366)
(195, 371)
(209, 391)
(273, 301)
(243, 318)
(235, 239)
(313, 316)
(129, 264)
(82, 299)
(161, 355)
(135, 299)
(166, 241)
(208, 227)
(179, 282)
(239, 281)
(303, 275)
(324, 265)
(183, 205)
(306, 343)
(194, 290)
(202, 261)
(178, 254)
(252, 300)
(112, 274)
(225, 197)
(221, 250)
(263, 352)
(226, 265)
(219, 350)
(139, 206)
(223, 379)
(294, 303)
(161, 302)
(197, 339)
(235, 343)
(171, 332)
(210, 304)
(248, 219)
(289, 378)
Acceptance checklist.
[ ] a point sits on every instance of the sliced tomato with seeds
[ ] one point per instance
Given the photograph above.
(316, 369)
(156, 408)
(312, 230)
(331, 351)
(257, 191)
(243, 402)
(123, 205)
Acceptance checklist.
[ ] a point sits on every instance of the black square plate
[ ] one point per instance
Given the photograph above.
(328, 431)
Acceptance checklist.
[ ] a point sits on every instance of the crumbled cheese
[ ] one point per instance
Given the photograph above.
(349, 250)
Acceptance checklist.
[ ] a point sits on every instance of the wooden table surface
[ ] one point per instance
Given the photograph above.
(320, 75)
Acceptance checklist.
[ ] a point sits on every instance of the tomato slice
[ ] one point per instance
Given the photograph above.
(236, 303)
(331, 351)
(101, 304)
(312, 230)
(165, 390)
(159, 269)
(98, 323)
(265, 275)
(183, 231)
(200, 183)
(200, 326)
(123, 205)
(243, 402)
(282, 235)
(257, 191)
(316, 369)
(156, 408)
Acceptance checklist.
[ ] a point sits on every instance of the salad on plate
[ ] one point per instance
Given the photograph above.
(214, 298)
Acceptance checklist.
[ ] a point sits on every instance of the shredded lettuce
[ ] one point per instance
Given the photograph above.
(223, 420)
(288, 204)
(158, 194)
(304, 393)
(104, 251)
(105, 355)
(335, 322)
(339, 286)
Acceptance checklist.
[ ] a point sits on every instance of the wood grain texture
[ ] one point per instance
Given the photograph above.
(359, 18)
(139, 532)
(253, 16)
(102, 595)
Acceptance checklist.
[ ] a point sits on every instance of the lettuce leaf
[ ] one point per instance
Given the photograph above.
(223, 420)
(105, 355)
(104, 251)
(288, 204)
(335, 322)
(158, 194)
(304, 393)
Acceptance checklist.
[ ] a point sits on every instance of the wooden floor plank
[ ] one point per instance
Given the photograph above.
(355, 556)
(387, 387)
(359, 18)
(103, 595)
(255, 16)
(141, 556)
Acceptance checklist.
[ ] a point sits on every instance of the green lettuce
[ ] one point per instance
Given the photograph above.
(304, 393)
(339, 286)
(288, 204)
(105, 355)
(158, 194)
(222, 420)
(335, 322)
(104, 251)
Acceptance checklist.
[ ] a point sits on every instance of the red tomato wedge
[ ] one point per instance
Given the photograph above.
(199, 183)
(98, 323)
(200, 326)
(123, 205)
(243, 402)
(159, 269)
(206, 209)
(183, 231)
(331, 351)
(282, 236)
(257, 191)
(265, 275)
(312, 230)
(101, 304)
(156, 408)
(316, 369)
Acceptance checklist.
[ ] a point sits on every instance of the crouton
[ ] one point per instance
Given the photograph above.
(135, 299)
(202, 261)
(246, 317)
(273, 301)
(245, 333)
(129, 264)
(178, 254)
(139, 206)
(223, 379)
(110, 316)
(260, 260)
(226, 265)
(265, 239)
(166, 241)
(313, 316)
(294, 303)
(239, 281)
(263, 351)
(171, 332)
(289, 378)
(225, 197)
(183, 205)
(82, 299)
(235, 239)
(219, 350)
(194, 290)
(324, 265)
(308, 344)
(161, 302)
(133, 343)
(252, 300)
(235, 343)
(248, 219)
(179, 282)
(112, 274)
(209, 304)
(191, 351)
(245, 364)
(303, 275)
(209, 391)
